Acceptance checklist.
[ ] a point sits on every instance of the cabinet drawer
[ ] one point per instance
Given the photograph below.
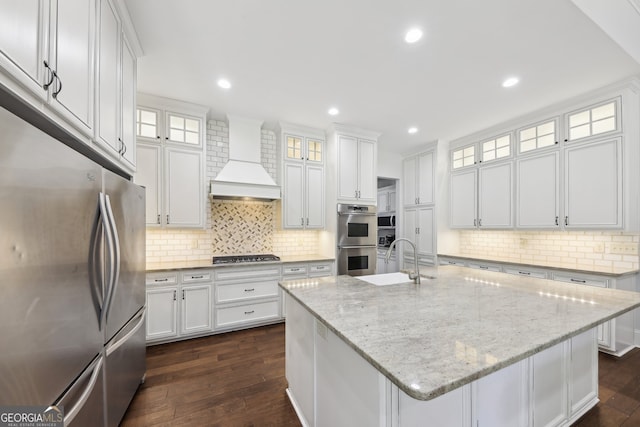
(230, 273)
(317, 270)
(590, 281)
(452, 262)
(161, 278)
(294, 269)
(486, 267)
(525, 272)
(196, 276)
(246, 291)
(229, 316)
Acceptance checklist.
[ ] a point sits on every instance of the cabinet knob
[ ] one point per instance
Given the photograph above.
(167, 218)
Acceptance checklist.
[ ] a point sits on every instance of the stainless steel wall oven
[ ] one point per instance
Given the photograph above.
(357, 239)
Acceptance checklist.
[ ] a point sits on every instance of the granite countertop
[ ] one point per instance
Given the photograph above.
(207, 263)
(550, 265)
(457, 327)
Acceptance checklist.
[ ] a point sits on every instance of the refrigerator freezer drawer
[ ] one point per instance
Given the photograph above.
(125, 367)
(83, 402)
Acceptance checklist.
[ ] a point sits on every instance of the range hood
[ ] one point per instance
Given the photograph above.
(243, 176)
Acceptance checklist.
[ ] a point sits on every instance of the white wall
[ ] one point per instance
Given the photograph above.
(389, 164)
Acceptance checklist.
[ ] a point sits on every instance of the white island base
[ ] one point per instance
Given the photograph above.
(332, 385)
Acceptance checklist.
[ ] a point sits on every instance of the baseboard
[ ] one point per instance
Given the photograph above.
(296, 407)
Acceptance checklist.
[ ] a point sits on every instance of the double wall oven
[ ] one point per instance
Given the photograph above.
(357, 229)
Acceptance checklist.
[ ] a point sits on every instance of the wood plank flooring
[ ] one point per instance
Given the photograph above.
(237, 379)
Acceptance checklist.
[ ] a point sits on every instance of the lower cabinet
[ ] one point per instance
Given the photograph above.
(303, 270)
(179, 305)
(331, 384)
(386, 266)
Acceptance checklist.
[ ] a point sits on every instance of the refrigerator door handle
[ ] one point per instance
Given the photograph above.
(70, 414)
(116, 345)
(111, 254)
(115, 259)
(96, 265)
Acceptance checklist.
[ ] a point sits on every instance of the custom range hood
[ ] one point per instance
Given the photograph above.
(243, 176)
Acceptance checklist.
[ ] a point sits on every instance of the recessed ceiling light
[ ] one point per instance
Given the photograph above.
(413, 35)
(224, 83)
(333, 111)
(511, 81)
(412, 130)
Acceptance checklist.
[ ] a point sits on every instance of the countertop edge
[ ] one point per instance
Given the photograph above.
(206, 263)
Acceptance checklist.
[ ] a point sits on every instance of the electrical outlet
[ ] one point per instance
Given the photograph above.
(620, 248)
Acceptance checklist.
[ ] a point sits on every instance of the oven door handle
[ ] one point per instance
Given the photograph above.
(357, 247)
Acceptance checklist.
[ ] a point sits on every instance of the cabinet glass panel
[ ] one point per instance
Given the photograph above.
(184, 129)
(294, 147)
(463, 157)
(314, 150)
(539, 136)
(594, 121)
(146, 123)
(496, 148)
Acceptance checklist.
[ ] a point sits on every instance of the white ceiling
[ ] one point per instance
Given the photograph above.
(290, 60)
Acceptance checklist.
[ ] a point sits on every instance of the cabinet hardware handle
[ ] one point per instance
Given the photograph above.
(479, 222)
(356, 194)
(249, 312)
(174, 295)
(51, 73)
(183, 294)
(525, 273)
(250, 290)
(167, 219)
(475, 222)
(301, 221)
(483, 267)
(418, 231)
(418, 201)
(295, 269)
(161, 280)
(124, 148)
(55, 94)
(197, 277)
(578, 280)
(158, 218)
(120, 146)
(307, 220)
(566, 220)
(557, 220)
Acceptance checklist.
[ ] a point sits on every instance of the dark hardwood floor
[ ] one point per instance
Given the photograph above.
(237, 379)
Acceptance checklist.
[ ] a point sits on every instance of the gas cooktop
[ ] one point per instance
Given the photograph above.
(236, 259)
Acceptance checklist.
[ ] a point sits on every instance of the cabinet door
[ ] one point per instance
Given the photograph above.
(24, 40)
(367, 180)
(347, 168)
(549, 386)
(463, 200)
(538, 191)
(495, 194)
(425, 178)
(162, 315)
(410, 229)
(425, 238)
(293, 196)
(148, 175)
(583, 382)
(383, 201)
(409, 173)
(593, 180)
(196, 309)
(314, 196)
(183, 188)
(128, 88)
(108, 125)
(72, 56)
(391, 201)
(499, 398)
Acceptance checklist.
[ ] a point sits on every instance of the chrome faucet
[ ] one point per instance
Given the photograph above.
(415, 276)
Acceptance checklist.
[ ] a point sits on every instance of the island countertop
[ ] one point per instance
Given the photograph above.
(458, 327)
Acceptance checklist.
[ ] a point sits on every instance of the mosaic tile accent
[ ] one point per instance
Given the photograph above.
(241, 227)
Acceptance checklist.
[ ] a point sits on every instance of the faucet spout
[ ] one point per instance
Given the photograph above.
(415, 275)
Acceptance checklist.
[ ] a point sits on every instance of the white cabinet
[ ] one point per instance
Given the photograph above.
(549, 396)
(179, 305)
(482, 198)
(172, 172)
(303, 270)
(108, 123)
(419, 178)
(128, 104)
(593, 177)
(583, 373)
(357, 179)
(303, 194)
(419, 227)
(387, 266)
(386, 200)
(498, 398)
(538, 191)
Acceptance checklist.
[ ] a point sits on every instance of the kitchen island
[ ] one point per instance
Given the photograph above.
(466, 348)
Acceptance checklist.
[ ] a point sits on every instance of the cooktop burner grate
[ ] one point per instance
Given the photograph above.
(236, 259)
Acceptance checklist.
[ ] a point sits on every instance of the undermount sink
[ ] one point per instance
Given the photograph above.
(386, 279)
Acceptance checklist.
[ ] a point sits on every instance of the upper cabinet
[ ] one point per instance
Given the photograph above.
(355, 153)
(171, 161)
(419, 178)
(70, 59)
(302, 152)
(576, 169)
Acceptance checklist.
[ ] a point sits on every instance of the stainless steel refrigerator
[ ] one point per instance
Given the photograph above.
(72, 261)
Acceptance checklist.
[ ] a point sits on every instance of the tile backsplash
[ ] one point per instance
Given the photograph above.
(572, 248)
